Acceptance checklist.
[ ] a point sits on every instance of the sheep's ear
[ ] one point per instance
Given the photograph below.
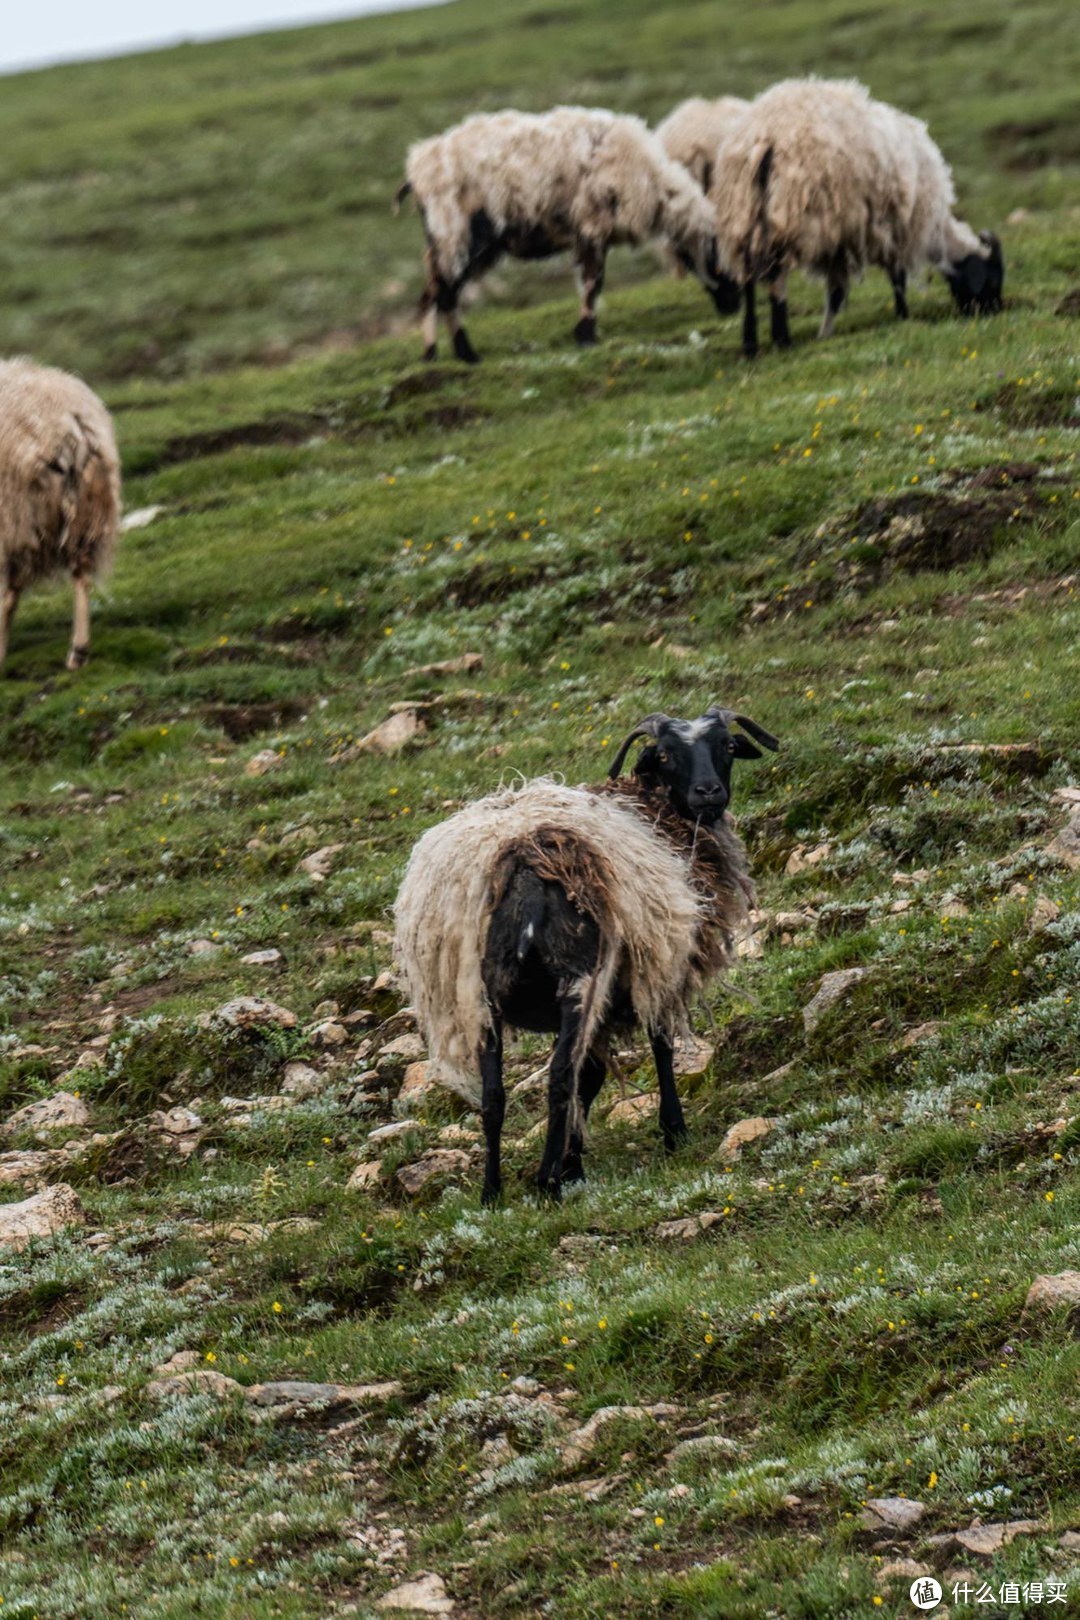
(743, 748)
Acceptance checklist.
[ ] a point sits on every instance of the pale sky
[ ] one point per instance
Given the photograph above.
(34, 35)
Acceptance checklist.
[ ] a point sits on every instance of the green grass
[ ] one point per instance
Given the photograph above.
(206, 234)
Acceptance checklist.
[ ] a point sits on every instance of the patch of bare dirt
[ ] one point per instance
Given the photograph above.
(239, 721)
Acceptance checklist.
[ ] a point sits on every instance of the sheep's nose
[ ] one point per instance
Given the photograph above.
(710, 793)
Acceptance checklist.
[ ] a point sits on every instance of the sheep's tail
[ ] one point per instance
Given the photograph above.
(403, 191)
(759, 243)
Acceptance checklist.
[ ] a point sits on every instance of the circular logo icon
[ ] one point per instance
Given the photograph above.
(925, 1592)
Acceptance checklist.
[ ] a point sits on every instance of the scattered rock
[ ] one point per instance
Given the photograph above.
(33, 1168)
(1049, 1293)
(702, 1445)
(177, 1122)
(1043, 913)
(746, 1130)
(1070, 1540)
(833, 988)
(920, 1032)
(365, 1175)
(397, 1127)
(300, 1080)
(266, 958)
(987, 1539)
(41, 1215)
(296, 1393)
(633, 1110)
(1066, 846)
(267, 759)
(901, 1569)
(254, 1012)
(390, 737)
(436, 1162)
(532, 1084)
(397, 1055)
(317, 865)
(424, 1594)
(202, 947)
(691, 1226)
(62, 1111)
(692, 1058)
(415, 1083)
(329, 1033)
(199, 1381)
(467, 664)
(580, 1443)
(892, 1513)
(497, 1451)
(803, 858)
(182, 1361)
(953, 906)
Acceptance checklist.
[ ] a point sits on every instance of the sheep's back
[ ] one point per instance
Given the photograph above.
(649, 918)
(808, 174)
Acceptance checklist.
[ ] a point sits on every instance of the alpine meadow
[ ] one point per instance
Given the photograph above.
(270, 1355)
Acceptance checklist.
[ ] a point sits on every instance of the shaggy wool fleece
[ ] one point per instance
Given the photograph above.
(581, 174)
(672, 901)
(692, 132)
(818, 174)
(59, 475)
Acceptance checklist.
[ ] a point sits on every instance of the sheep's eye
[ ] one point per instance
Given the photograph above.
(662, 757)
(731, 746)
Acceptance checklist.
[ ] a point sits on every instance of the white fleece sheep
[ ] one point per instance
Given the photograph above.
(691, 133)
(816, 174)
(59, 490)
(535, 184)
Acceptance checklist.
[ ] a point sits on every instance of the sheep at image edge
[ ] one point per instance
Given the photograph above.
(819, 176)
(59, 490)
(578, 912)
(535, 184)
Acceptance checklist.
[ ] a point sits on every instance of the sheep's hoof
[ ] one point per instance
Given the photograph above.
(750, 353)
(573, 1171)
(491, 1194)
(464, 349)
(76, 658)
(430, 353)
(549, 1187)
(585, 330)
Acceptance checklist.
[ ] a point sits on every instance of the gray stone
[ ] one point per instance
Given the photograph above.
(42, 1215)
(833, 988)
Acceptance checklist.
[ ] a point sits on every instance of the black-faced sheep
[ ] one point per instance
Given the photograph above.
(533, 185)
(578, 912)
(59, 490)
(818, 175)
(691, 133)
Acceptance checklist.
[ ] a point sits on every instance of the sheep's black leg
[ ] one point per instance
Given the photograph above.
(560, 1099)
(749, 329)
(492, 1109)
(899, 287)
(590, 267)
(591, 1078)
(672, 1123)
(778, 321)
(446, 297)
(836, 293)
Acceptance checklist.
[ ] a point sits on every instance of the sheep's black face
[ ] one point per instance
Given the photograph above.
(692, 758)
(976, 282)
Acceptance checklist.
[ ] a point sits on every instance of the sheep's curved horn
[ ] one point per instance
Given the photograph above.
(729, 717)
(649, 727)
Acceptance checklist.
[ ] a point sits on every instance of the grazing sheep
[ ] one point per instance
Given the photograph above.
(532, 185)
(578, 912)
(59, 490)
(692, 132)
(820, 176)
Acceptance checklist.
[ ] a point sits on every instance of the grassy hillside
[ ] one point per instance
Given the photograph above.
(868, 545)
